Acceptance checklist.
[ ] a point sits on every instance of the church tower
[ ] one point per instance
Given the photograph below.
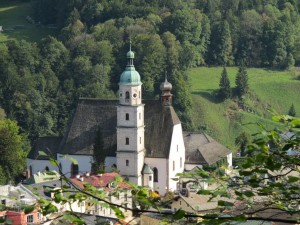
(130, 124)
(166, 96)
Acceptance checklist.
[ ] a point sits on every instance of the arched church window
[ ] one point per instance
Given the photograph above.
(155, 174)
(127, 116)
(74, 169)
(127, 96)
(127, 162)
(127, 141)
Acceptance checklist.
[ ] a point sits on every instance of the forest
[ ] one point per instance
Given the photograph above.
(40, 82)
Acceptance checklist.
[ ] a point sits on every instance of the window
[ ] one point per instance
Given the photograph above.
(139, 94)
(74, 169)
(127, 96)
(30, 171)
(140, 140)
(155, 174)
(39, 216)
(127, 141)
(150, 178)
(180, 162)
(125, 196)
(127, 162)
(177, 148)
(47, 168)
(30, 219)
(173, 165)
(140, 116)
(127, 116)
(179, 202)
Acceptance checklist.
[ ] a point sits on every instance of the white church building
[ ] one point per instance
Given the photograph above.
(143, 139)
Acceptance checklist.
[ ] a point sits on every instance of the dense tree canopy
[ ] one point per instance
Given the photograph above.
(13, 151)
(41, 82)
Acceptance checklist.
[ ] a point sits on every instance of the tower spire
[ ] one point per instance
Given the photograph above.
(130, 55)
(166, 96)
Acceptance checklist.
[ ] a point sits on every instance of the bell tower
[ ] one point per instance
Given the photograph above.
(166, 96)
(130, 124)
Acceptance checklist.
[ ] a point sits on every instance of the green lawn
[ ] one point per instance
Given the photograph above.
(13, 20)
(225, 121)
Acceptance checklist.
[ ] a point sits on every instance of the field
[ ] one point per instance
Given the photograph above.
(225, 120)
(16, 26)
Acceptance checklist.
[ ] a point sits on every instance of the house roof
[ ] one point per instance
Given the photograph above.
(49, 145)
(202, 149)
(90, 115)
(94, 114)
(42, 177)
(99, 181)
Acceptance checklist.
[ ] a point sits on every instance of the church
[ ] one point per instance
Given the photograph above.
(143, 139)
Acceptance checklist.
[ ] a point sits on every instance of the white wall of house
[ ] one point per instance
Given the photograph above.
(84, 163)
(176, 157)
(124, 199)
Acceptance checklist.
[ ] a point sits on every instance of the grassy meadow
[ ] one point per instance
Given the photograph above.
(13, 21)
(225, 120)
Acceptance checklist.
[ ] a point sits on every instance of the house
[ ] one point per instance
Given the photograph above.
(44, 190)
(116, 192)
(13, 199)
(41, 177)
(16, 196)
(20, 217)
(194, 203)
(143, 139)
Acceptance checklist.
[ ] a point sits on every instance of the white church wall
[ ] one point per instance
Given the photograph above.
(135, 115)
(135, 138)
(176, 157)
(133, 90)
(84, 163)
(162, 167)
(131, 164)
(39, 165)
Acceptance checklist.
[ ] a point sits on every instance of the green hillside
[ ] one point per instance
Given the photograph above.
(13, 20)
(225, 121)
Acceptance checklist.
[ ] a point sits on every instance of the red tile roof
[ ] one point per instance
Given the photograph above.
(99, 181)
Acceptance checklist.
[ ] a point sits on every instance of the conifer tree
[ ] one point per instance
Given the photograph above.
(292, 111)
(225, 90)
(241, 81)
(98, 153)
